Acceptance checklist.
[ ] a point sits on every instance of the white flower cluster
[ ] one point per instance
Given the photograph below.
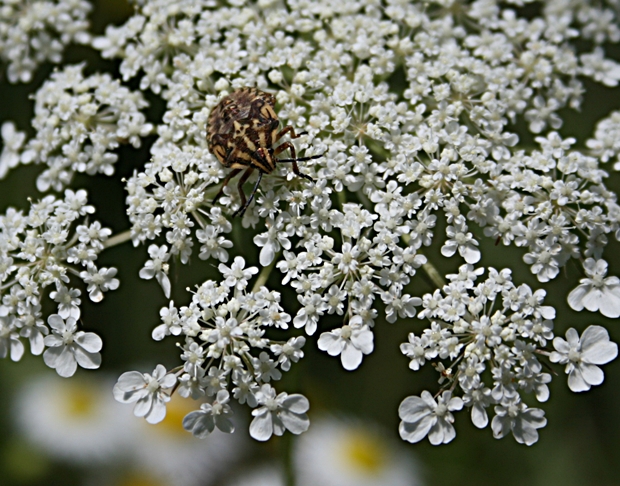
(46, 249)
(447, 148)
(606, 142)
(79, 121)
(413, 115)
(225, 352)
(345, 277)
(493, 335)
(36, 31)
(438, 141)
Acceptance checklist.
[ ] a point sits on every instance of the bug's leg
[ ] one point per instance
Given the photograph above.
(293, 159)
(232, 174)
(288, 145)
(240, 184)
(300, 173)
(244, 203)
(289, 128)
(281, 148)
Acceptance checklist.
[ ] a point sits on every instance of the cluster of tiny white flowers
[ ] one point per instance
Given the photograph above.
(37, 31)
(493, 335)
(79, 121)
(47, 251)
(225, 352)
(446, 148)
(345, 278)
(606, 142)
(411, 109)
(12, 143)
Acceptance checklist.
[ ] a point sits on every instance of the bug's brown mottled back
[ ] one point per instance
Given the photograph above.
(243, 122)
(243, 106)
(242, 130)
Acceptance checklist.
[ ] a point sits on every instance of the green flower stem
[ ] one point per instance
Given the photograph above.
(342, 198)
(432, 273)
(430, 269)
(263, 276)
(118, 239)
(287, 459)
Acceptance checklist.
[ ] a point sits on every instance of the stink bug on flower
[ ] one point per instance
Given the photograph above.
(242, 131)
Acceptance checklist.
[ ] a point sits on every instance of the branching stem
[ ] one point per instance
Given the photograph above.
(117, 239)
(263, 276)
(430, 269)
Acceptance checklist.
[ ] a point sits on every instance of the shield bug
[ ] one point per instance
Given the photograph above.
(242, 131)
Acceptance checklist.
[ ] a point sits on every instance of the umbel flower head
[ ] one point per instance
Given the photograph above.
(225, 354)
(410, 119)
(37, 31)
(45, 249)
(493, 332)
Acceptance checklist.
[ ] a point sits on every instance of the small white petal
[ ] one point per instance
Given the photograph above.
(89, 341)
(295, 423)
(441, 433)
(576, 382)
(413, 409)
(261, 427)
(157, 413)
(596, 346)
(200, 424)
(296, 403)
(592, 374)
(351, 357)
(267, 254)
(416, 431)
(89, 361)
(575, 298)
(479, 416)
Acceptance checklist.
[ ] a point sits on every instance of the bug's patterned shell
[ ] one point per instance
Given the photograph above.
(240, 124)
(242, 131)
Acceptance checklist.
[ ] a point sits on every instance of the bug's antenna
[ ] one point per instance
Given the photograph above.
(302, 159)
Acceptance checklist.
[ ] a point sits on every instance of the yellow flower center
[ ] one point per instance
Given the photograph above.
(363, 452)
(81, 400)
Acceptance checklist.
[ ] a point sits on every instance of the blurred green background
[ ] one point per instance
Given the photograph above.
(580, 444)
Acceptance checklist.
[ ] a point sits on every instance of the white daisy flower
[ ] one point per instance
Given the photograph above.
(76, 420)
(336, 452)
